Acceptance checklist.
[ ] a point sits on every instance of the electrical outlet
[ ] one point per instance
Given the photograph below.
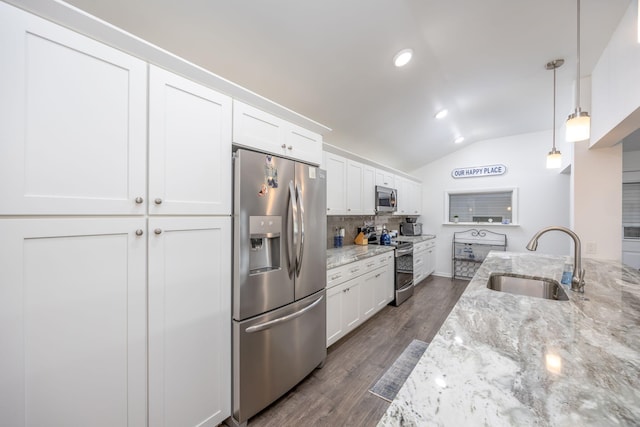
(592, 248)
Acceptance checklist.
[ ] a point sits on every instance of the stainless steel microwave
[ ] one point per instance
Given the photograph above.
(386, 199)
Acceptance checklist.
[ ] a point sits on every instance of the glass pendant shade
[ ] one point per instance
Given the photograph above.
(554, 159)
(578, 126)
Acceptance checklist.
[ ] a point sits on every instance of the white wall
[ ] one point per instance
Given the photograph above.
(615, 90)
(597, 198)
(543, 193)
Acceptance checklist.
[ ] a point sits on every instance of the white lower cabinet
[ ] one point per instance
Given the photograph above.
(423, 260)
(73, 331)
(78, 311)
(356, 292)
(189, 321)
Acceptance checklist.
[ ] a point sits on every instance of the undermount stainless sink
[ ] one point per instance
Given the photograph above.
(533, 287)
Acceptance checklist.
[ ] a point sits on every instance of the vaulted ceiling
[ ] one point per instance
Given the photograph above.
(331, 60)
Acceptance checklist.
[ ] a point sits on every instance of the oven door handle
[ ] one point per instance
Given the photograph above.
(402, 252)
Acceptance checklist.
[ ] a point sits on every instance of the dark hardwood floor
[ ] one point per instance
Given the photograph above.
(337, 394)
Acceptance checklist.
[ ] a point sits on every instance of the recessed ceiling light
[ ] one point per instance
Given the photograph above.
(403, 57)
(458, 140)
(441, 114)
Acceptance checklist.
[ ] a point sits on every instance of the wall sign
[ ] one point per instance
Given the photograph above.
(476, 171)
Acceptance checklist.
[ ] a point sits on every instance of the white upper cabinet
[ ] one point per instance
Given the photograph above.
(354, 187)
(368, 190)
(385, 179)
(189, 147)
(74, 322)
(416, 197)
(73, 122)
(336, 167)
(262, 131)
(409, 196)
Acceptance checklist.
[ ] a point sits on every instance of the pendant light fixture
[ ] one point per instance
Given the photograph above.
(554, 158)
(578, 123)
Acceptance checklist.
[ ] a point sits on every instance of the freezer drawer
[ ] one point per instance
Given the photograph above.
(275, 351)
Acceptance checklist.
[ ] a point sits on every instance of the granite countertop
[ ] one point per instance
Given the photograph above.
(337, 257)
(504, 360)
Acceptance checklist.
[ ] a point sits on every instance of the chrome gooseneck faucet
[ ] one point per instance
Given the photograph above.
(577, 283)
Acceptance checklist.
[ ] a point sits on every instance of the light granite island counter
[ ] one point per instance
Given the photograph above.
(510, 360)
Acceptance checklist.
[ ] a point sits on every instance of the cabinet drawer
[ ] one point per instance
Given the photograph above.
(341, 274)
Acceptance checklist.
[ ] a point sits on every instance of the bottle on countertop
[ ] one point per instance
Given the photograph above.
(385, 238)
(567, 274)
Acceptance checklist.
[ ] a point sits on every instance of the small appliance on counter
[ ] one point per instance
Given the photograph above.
(410, 227)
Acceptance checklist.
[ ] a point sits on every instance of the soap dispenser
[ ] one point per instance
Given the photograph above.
(385, 238)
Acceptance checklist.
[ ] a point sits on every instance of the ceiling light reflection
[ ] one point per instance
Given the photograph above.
(441, 114)
(553, 363)
(403, 57)
(440, 382)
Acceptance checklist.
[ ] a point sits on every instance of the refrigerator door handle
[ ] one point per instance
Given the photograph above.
(292, 235)
(301, 249)
(266, 325)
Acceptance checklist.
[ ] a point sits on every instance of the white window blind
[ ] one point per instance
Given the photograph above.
(481, 207)
(631, 210)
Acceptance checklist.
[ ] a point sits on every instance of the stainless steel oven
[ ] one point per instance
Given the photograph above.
(404, 272)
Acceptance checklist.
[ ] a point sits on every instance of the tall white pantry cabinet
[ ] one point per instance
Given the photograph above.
(114, 260)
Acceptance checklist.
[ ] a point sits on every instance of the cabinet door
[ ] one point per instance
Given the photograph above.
(391, 273)
(385, 179)
(336, 184)
(416, 197)
(368, 190)
(254, 128)
(73, 333)
(405, 202)
(352, 313)
(73, 122)
(189, 321)
(368, 294)
(189, 147)
(335, 310)
(382, 283)
(303, 144)
(430, 263)
(354, 188)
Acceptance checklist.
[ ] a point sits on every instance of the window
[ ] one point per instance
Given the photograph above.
(631, 210)
(481, 206)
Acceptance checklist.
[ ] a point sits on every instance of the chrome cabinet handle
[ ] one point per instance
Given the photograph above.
(139, 232)
(283, 146)
(139, 200)
(158, 231)
(337, 276)
(290, 147)
(158, 201)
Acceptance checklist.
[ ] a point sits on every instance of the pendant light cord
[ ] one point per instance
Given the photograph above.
(578, 63)
(554, 106)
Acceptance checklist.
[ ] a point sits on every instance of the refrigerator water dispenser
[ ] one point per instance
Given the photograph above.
(264, 235)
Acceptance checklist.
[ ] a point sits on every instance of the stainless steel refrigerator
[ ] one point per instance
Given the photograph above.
(279, 304)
